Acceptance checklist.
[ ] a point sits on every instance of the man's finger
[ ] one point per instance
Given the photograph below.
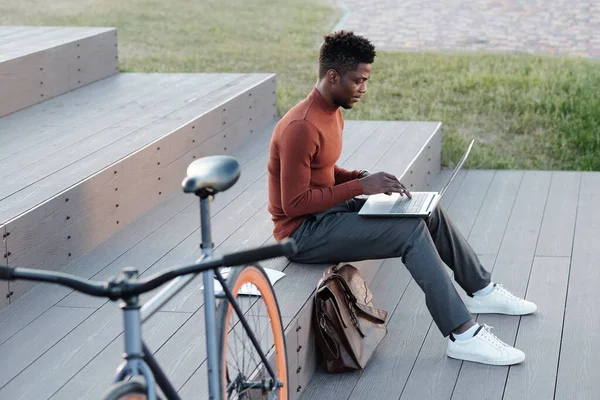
(394, 187)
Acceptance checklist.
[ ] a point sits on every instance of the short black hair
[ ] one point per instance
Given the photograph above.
(343, 51)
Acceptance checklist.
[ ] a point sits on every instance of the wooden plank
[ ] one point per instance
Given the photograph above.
(50, 40)
(392, 362)
(291, 343)
(379, 143)
(39, 299)
(536, 377)
(182, 227)
(39, 142)
(355, 134)
(95, 376)
(91, 336)
(4, 285)
(32, 80)
(423, 130)
(434, 158)
(490, 224)
(181, 237)
(512, 269)
(306, 349)
(74, 108)
(417, 177)
(558, 224)
(471, 193)
(127, 211)
(23, 348)
(134, 257)
(95, 58)
(441, 179)
(38, 70)
(144, 136)
(76, 230)
(414, 147)
(98, 141)
(41, 147)
(115, 250)
(425, 139)
(114, 100)
(578, 364)
(469, 199)
(40, 35)
(11, 33)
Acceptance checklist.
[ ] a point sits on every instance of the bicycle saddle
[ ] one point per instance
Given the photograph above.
(210, 175)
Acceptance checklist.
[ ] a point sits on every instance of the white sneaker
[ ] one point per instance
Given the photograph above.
(484, 347)
(499, 301)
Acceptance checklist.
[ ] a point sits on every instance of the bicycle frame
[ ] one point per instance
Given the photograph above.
(139, 360)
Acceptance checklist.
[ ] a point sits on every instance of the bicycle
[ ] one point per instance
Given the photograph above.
(205, 177)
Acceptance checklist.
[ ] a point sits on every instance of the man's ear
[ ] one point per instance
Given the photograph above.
(332, 77)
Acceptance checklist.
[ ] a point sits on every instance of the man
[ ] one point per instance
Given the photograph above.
(315, 202)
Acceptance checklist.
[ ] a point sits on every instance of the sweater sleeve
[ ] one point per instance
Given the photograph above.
(297, 148)
(343, 175)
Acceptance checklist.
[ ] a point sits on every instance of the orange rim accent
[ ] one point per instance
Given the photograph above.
(251, 274)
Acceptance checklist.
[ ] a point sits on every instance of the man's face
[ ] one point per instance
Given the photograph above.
(348, 88)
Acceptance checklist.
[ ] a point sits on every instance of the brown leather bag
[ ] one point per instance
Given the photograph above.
(348, 327)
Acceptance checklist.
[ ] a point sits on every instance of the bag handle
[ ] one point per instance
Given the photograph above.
(375, 313)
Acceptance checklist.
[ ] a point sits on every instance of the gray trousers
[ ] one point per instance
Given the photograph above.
(425, 245)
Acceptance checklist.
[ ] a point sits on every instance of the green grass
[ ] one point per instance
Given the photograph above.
(526, 112)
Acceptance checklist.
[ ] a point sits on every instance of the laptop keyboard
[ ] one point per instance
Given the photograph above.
(406, 205)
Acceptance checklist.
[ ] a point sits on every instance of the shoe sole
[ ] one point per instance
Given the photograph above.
(475, 310)
(478, 360)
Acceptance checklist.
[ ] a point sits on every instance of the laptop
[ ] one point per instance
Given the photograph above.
(420, 205)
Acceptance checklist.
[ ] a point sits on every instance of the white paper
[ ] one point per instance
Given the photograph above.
(248, 288)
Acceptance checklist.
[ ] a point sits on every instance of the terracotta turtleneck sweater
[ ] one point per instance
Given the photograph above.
(303, 175)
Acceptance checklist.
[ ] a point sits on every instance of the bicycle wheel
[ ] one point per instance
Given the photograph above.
(131, 390)
(243, 374)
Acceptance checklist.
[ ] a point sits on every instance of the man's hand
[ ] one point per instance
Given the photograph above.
(382, 182)
(363, 173)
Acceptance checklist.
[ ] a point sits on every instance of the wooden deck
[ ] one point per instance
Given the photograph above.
(49, 147)
(38, 63)
(79, 167)
(537, 232)
(58, 344)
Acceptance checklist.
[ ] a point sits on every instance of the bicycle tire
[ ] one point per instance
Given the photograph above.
(131, 390)
(238, 277)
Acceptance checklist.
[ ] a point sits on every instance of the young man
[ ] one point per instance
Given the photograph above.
(314, 201)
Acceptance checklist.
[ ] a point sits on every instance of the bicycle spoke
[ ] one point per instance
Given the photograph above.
(246, 371)
(244, 350)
